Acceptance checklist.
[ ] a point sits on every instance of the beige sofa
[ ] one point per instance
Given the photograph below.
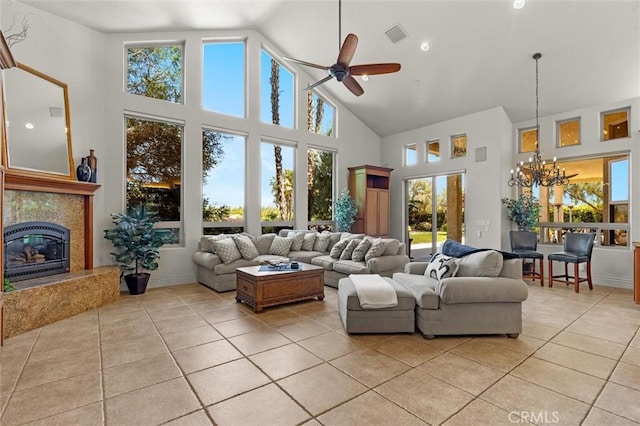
(484, 297)
(220, 276)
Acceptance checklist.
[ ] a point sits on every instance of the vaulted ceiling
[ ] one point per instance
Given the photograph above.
(480, 54)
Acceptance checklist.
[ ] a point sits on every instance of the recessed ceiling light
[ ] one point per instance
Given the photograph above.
(365, 77)
(28, 126)
(425, 46)
(518, 4)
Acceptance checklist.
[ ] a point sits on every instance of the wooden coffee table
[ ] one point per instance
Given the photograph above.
(260, 289)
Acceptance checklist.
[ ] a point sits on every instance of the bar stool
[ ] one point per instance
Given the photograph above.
(577, 249)
(524, 244)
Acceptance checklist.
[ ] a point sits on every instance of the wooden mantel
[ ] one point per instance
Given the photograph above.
(20, 181)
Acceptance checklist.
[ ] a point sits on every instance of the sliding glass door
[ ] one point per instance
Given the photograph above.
(435, 212)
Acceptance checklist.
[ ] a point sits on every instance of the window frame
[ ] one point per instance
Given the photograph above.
(626, 109)
(334, 181)
(334, 118)
(245, 85)
(427, 151)
(294, 74)
(521, 131)
(405, 154)
(559, 123)
(294, 146)
(452, 143)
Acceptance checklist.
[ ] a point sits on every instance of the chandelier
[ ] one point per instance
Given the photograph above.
(536, 173)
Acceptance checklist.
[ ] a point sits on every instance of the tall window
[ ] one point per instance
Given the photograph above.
(321, 115)
(223, 174)
(276, 92)
(155, 72)
(568, 132)
(458, 146)
(277, 182)
(410, 155)
(320, 165)
(154, 170)
(598, 194)
(528, 138)
(223, 77)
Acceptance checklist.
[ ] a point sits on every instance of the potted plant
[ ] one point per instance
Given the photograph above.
(345, 211)
(137, 243)
(525, 211)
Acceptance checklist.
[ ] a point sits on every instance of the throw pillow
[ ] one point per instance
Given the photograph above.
(206, 242)
(334, 237)
(226, 249)
(262, 242)
(348, 250)
(322, 242)
(297, 239)
(246, 247)
(280, 246)
(391, 246)
(441, 266)
(308, 241)
(376, 250)
(336, 250)
(360, 251)
(486, 263)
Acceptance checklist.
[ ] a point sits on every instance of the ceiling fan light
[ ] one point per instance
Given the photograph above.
(425, 46)
(364, 77)
(518, 4)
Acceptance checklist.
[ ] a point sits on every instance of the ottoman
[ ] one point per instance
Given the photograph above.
(398, 319)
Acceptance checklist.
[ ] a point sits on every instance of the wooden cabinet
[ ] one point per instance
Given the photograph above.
(369, 187)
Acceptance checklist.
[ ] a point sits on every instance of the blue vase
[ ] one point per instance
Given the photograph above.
(83, 171)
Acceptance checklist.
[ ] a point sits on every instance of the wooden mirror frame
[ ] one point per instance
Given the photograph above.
(24, 171)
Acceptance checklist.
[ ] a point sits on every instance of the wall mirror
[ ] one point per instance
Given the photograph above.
(36, 137)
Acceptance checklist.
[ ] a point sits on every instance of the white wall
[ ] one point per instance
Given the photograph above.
(610, 265)
(485, 181)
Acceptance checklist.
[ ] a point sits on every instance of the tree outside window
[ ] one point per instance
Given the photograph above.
(155, 72)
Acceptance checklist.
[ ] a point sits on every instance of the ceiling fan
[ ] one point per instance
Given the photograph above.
(341, 70)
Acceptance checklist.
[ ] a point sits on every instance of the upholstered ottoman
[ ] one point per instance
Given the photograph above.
(397, 319)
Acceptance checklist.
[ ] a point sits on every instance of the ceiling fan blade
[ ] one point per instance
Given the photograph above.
(347, 50)
(374, 69)
(318, 83)
(306, 64)
(353, 85)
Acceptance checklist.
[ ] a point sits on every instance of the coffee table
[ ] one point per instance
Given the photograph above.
(260, 289)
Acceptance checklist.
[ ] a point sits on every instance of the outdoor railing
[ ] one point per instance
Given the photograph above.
(607, 234)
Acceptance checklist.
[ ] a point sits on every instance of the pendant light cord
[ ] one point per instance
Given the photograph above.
(537, 56)
(340, 25)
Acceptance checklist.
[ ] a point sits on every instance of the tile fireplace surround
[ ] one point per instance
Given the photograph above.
(40, 301)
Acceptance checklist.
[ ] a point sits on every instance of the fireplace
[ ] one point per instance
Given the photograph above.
(35, 249)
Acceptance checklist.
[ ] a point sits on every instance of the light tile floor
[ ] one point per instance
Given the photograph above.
(185, 355)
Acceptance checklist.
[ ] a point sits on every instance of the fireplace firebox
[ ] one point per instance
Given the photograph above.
(35, 249)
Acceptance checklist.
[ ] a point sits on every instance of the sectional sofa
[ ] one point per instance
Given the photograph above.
(219, 256)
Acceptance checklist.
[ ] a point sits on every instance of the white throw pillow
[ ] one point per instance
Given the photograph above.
(308, 241)
(486, 263)
(441, 266)
(226, 249)
(280, 246)
(297, 238)
(245, 246)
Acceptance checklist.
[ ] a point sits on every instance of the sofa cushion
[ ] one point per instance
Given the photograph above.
(486, 263)
(245, 246)
(391, 246)
(334, 237)
(324, 261)
(456, 290)
(511, 268)
(442, 266)
(349, 295)
(322, 242)
(231, 267)
(348, 250)
(206, 242)
(351, 267)
(376, 250)
(422, 287)
(280, 246)
(336, 250)
(308, 241)
(297, 238)
(361, 250)
(227, 250)
(262, 242)
(303, 256)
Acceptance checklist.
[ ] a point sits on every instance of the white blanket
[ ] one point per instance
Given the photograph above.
(374, 292)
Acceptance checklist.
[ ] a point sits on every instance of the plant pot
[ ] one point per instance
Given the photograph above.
(137, 283)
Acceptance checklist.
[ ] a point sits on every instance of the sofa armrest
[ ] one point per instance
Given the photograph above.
(387, 263)
(415, 268)
(206, 259)
(481, 289)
